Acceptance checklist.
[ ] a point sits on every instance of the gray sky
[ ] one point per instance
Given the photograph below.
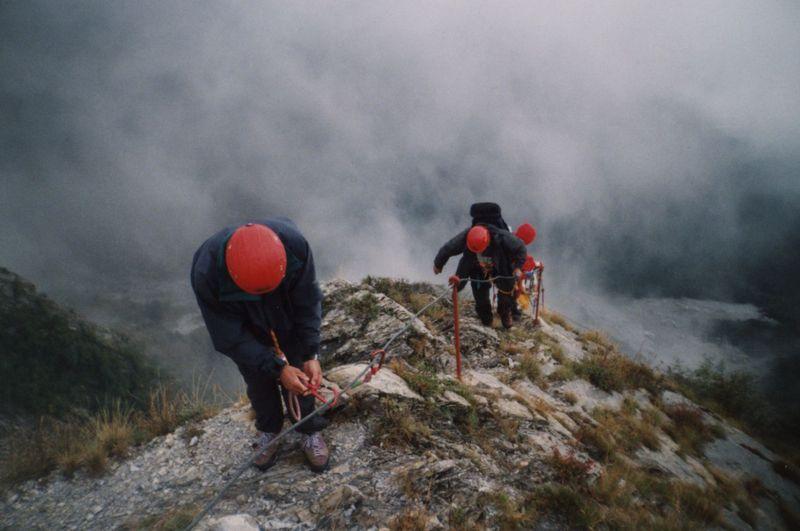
(655, 145)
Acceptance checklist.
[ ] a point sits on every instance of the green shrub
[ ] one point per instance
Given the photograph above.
(364, 307)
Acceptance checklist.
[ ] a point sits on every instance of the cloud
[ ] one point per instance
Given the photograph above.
(654, 146)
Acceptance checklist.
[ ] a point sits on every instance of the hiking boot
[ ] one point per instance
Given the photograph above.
(507, 320)
(268, 457)
(316, 451)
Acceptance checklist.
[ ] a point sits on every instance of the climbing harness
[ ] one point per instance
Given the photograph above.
(375, 363)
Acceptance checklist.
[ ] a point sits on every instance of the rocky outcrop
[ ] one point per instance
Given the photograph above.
(522, 442)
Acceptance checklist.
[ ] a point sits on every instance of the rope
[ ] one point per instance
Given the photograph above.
(370, 370)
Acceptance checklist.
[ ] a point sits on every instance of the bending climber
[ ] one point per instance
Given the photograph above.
(487, 251)
(251, 282)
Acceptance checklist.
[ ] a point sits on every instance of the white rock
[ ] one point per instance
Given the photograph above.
(384, 382)
(589, 397)
(233, 522)
(533, 391)
(455, 398)
(670, 398)
(512, 408)
(485, 381)
(667, 461)
(193, 441)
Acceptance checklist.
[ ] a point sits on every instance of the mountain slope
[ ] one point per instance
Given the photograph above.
(51, 361)
(551, 429)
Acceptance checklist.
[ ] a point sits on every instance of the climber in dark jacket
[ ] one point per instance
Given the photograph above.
(487, 251)
(251, 282)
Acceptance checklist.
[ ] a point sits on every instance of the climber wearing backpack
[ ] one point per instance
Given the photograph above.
(488, 250)
(257, 290)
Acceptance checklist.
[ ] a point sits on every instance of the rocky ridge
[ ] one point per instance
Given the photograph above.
(530, 439)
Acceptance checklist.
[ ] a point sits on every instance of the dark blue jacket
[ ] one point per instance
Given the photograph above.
(507, 251)
(238, 322)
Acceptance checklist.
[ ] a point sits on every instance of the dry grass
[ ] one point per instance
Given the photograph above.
(600, 442)
(557, 352)
(627, 497)
(364, 308)
(618, 431)
(421, 379)
(571, 398)
(512, 514)
(172, 520)
(87, 444)
(563, 373)
(412, 295)
(568, 469)
(557, 319)
(512, 348)
(529, 367)
(400, 427)
(688, 429)
(565, 501)
(697, 503)
(596, 337)
(605, 367)
(462, 390)
(732, 490)
(411, 519)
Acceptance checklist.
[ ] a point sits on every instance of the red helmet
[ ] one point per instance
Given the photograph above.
(526, 233)
(529, 265)
(478, 239)
(255, 258)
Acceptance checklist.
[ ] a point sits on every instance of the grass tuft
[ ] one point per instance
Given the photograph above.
(611, 371)
(688, 429)
(400, 427)
(411, 519)
(364, 307)
(557, 319)
(529, 367)
(568, 469)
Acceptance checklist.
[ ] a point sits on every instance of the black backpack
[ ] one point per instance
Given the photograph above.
(488, 214)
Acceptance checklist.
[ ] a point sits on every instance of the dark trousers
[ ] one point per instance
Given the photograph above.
(482, 293)
(264, 393)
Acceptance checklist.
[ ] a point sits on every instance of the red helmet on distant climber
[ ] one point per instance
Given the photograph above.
(529, 265)
(256, 258)
(478, 239)
(526, 233)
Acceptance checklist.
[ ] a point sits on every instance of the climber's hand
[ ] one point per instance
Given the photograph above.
(294, 380)
(313, 370)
